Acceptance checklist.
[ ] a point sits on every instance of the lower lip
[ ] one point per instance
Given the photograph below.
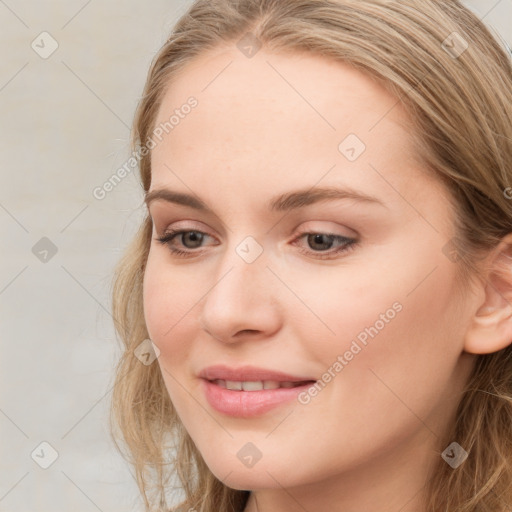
(246, 404)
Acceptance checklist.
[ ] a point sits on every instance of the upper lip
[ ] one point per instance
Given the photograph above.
(249, 373)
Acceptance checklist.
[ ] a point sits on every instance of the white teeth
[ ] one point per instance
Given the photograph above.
(257, 385)
(234, 385)
(252, 385)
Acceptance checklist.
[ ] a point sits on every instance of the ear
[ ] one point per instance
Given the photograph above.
(491, 326)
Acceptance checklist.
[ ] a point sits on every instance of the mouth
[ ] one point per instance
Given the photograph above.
(258, 385)
(249, 391)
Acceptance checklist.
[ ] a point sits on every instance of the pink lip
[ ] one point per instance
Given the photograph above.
(248, 373)
(246, 404)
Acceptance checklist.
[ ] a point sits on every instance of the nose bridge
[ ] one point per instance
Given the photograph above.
(240, 297)
(242, 265)
(241, 271)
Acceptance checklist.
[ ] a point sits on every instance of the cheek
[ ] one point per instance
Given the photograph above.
(169, 315)
(411, 359)
(168, 306)
(400, 321)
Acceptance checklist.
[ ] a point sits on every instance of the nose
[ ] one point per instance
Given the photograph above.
(241, 303)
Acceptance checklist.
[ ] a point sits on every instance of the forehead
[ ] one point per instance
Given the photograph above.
(273, 112)
(304, 80)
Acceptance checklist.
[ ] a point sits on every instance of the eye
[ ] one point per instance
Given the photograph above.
(320, 243)
(317, 240)
(195, 238)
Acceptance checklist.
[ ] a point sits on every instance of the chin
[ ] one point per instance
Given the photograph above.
(247, 479)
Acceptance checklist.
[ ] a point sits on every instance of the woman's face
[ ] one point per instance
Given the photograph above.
(284, 151)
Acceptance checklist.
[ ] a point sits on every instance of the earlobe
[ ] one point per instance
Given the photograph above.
(491, 326)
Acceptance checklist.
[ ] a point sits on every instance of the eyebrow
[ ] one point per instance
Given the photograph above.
(282, 203)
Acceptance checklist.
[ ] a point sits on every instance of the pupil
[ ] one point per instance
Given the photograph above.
(196, 237)
(317, 238)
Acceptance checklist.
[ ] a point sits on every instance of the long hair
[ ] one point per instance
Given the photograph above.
(454, 79)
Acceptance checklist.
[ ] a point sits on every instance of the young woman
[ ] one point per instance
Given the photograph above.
(317, 310)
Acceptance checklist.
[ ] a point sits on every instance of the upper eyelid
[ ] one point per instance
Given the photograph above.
(155, 222)
(155, 213)
(325, 231)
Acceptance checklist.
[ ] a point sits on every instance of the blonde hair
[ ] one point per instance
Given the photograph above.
(461, 107)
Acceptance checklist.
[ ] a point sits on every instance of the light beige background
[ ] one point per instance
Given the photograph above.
(65, 126)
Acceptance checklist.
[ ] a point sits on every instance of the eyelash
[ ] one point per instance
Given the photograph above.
(349, 245)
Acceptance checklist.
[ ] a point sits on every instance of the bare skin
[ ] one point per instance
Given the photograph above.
(367, 440)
